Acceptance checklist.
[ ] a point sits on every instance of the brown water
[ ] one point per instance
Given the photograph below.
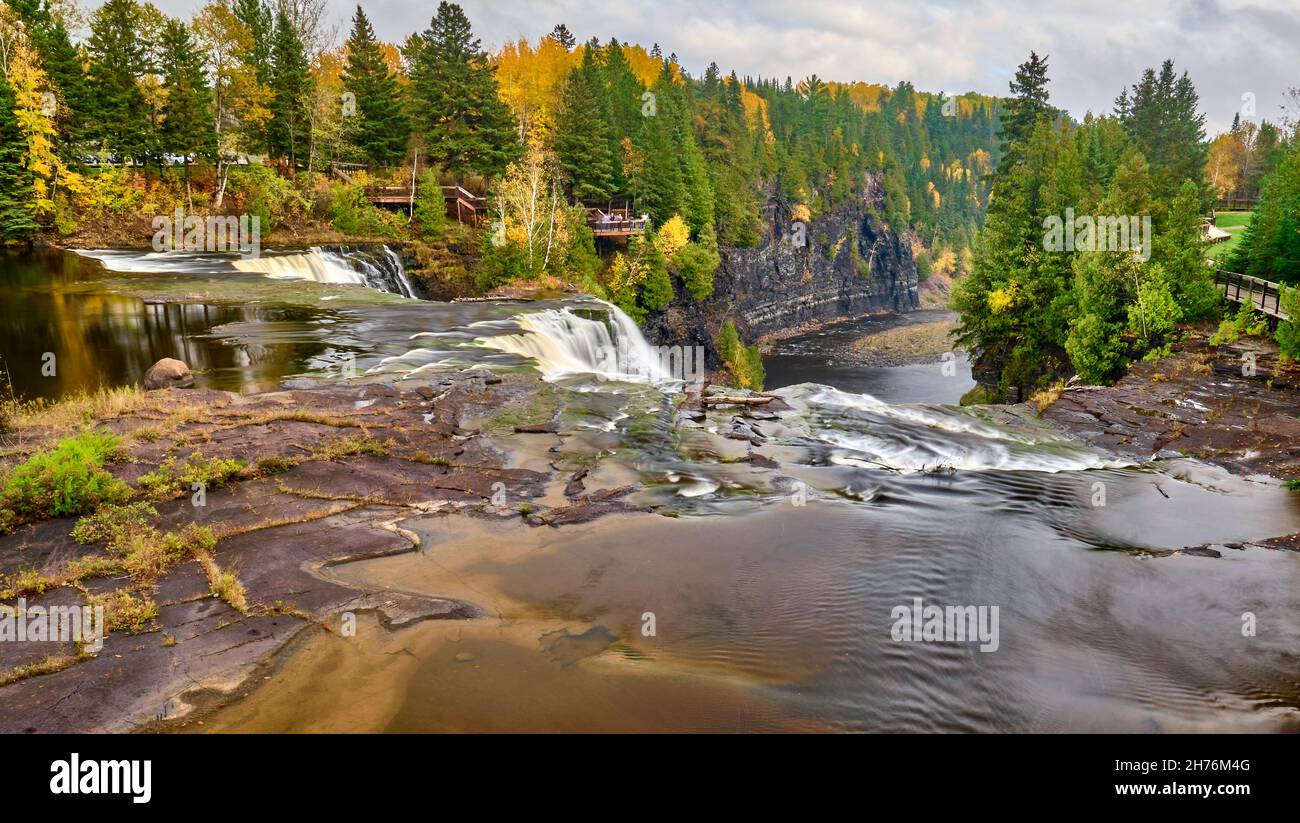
(774, 616)
(768, 615)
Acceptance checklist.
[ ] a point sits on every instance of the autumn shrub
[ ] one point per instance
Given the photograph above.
(266, 195)
(113, 524)
(744, 362)
(67, 480)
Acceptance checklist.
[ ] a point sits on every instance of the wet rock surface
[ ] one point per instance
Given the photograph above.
(1234, 406)
(330, 474)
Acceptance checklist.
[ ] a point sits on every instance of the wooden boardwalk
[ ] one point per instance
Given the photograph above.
(1265, 296)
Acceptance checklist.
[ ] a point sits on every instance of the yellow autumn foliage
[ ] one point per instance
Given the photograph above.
(673, 235)
(1002, 299)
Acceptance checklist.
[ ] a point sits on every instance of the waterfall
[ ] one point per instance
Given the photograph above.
(567, 344)
(381, 270)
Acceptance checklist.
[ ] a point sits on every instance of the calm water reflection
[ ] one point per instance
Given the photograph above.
(56, 303)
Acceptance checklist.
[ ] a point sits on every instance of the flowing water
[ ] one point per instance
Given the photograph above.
(769, 599)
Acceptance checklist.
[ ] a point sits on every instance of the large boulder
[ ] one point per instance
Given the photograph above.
(168, 374)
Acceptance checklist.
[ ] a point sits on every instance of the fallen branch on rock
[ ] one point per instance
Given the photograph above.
(724, 400)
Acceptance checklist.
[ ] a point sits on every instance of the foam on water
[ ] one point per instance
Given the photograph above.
(909, 439)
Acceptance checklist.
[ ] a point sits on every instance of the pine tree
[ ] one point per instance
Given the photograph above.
(119, 117)
(564, 37)
(1163, 121)
(16, 219)
(454, 95)
(583, 134)
(187, 125)
(380, 127)
(288, 131)
(1028, 103)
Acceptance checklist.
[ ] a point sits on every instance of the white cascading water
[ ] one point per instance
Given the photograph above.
(564, 345)
(324, 266)
(908, 439)
(352, 266)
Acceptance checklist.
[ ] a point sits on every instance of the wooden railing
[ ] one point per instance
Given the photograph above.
(617, 227)
(1265, 296)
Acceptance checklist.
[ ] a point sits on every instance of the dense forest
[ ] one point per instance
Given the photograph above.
(148, 113)
(1033, 316)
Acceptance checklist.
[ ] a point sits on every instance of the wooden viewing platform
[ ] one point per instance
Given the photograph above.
(1262, 294)
(462, 205)
(616, 222)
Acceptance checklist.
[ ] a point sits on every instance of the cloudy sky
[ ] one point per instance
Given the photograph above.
(1231, 47)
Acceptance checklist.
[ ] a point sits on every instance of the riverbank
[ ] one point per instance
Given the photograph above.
(325, 475)
(1235, 405)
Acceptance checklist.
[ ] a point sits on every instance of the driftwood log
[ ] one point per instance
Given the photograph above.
(724, 400)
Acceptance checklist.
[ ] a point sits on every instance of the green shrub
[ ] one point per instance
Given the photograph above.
(698, 262)
(352, 214)
(430, 208)
(68, 480)
(1288, 333)
(173, 479)
(744, 362)
(267, 195)
(924, 266)
(1245, 323)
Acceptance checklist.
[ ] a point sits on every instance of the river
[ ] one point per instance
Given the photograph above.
(769, 599)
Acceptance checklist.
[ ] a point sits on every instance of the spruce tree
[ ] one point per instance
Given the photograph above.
(1163, 120)
(62, 64)
(187, 127)
(583, 134)
(16, 220)
(564, 37)
(288, 132)
(467, 127)
(1028, 103)
(379, 128)
(119, 116)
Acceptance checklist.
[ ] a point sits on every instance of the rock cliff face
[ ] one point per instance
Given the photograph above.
(850, 265)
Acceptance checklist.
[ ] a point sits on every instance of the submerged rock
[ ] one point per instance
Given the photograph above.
(168, 373)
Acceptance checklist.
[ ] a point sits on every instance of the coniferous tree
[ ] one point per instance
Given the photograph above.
(62, 64)
(1163, 121)
(584, 137)
(288, 131)
(380, 128)
(119, 117)
(16, 219)
(258, 20)
(454, 97)
(564, 37)
(187, 127)
(1028, 103)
